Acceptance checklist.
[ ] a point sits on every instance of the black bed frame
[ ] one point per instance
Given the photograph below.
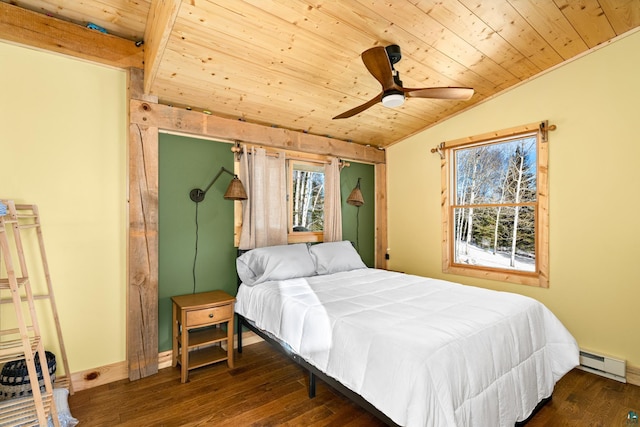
(337, 385)
(313, 372)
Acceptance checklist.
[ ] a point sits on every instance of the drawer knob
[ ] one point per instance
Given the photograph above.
(210, 315)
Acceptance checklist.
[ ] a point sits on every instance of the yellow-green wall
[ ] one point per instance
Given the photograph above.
(594, 178)
(63, 148)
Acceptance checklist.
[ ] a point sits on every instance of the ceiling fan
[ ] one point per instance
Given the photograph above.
(379, 61)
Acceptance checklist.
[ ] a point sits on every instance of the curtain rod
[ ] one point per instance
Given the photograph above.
(543, 128)
(290, 155)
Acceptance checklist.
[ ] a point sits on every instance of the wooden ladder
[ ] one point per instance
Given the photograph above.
(25, 340)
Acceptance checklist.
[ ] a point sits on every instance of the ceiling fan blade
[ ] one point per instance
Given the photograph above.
(360, 108)
(463, 93)
(377, 62)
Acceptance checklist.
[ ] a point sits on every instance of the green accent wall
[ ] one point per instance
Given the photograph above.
(359, 227)
(186, 163)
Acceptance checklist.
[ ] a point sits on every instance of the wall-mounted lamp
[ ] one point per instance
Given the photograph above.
(355, 198)
(235, 191)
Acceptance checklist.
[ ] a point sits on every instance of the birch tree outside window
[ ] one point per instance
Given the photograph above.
(306, 201)
(495, 209)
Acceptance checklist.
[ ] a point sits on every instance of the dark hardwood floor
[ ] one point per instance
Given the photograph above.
(267, 389)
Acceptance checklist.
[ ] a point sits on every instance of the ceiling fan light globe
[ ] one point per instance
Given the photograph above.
(393, 100)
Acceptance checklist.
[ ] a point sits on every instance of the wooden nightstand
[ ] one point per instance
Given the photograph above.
(197, 330)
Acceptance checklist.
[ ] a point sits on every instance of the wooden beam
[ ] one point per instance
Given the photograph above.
(45, 32)
(135, 89)
(142, 318)
(200, 124)
(381, 242)
(162, 17)
(142, 250)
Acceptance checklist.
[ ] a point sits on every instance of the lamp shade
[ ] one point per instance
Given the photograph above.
(355, 198)
(235, 191)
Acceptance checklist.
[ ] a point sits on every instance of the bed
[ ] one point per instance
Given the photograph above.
(413, 350)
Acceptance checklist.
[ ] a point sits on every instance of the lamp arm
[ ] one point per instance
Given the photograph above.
(222, 169)
(197, 195)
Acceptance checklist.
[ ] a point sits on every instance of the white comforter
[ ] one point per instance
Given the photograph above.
(425, 352)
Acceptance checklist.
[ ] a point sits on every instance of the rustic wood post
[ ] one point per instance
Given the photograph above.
(142, 286)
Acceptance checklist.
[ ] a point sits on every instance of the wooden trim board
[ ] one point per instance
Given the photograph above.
(118, 371)
(633, 375)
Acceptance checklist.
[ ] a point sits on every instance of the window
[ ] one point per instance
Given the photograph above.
(495, 216)
(306, 201)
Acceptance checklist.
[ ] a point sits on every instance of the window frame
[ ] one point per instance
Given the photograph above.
(540, 277)
(299, 236)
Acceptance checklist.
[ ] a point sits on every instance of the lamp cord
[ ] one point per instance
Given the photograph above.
(358, 229)
(195, 255)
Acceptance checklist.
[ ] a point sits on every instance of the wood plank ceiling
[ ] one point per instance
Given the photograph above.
(295, 64)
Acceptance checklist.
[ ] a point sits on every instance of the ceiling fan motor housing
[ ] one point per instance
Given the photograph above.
(394, 54)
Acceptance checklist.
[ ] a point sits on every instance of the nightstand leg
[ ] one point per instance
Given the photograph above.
(174, 337)
(184, 350)
(230, 343)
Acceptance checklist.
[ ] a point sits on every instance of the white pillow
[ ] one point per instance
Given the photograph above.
(275, 263)
(334, 257)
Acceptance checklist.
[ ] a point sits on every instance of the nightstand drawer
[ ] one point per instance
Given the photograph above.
(208, 315)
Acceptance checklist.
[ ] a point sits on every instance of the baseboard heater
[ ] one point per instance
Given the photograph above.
(605, 366)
